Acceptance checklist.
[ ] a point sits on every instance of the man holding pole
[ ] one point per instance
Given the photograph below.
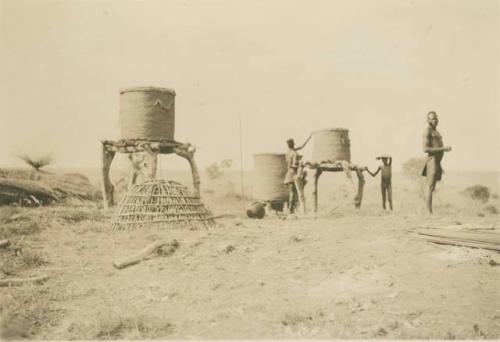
(292, 164)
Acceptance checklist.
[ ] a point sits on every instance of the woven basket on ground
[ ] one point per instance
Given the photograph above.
(165, 203)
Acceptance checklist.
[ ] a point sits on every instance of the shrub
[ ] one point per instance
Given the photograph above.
(478, 193)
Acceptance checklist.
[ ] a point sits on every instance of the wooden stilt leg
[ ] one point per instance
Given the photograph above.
(152, 164)
(299, 185)
(187, 152)
(315, 193)
(107, 188)
(195, 174)
(361, 184)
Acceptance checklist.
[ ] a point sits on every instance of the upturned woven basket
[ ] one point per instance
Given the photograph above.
(160, 202)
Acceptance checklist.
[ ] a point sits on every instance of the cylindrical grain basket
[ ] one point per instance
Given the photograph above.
(147, 113)
(332, 145)
(270, 171)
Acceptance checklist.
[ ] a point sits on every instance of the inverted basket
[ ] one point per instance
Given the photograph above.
(160, 202)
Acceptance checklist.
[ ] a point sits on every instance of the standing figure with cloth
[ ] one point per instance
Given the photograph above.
(433, 146)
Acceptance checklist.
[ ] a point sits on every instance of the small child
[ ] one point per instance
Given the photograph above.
(386, 186)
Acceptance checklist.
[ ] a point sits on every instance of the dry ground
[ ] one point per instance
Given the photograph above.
(345, 273)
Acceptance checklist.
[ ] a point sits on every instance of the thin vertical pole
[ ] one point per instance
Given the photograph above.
(241, 159)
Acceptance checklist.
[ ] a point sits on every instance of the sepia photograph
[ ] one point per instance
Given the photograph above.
(249, 170)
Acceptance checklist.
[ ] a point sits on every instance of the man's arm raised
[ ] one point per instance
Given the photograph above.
(304, 144)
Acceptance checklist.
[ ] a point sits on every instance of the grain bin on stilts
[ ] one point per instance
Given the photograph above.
(147, 113)
(331, 145)
(147, 123)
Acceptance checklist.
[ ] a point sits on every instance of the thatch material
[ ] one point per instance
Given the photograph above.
(331, 144)
(15, 190)
(166, 203)
(270, 171)
(147, 113)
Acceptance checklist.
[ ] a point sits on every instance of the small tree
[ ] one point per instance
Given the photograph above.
(37, 163)
(215, 170)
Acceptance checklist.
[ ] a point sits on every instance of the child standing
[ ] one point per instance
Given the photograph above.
(386, 186)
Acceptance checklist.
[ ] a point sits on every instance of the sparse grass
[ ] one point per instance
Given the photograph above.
(15, 259)
(19, 228)
(113, 325)
(79, 214)
(25, 312)
(6, 212)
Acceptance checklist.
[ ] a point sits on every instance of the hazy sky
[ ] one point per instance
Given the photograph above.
(287, 67)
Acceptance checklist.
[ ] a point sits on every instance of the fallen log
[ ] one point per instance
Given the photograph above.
(445, 241)
(4, 243)
(21, 281)
(143, 254)
(473, 236)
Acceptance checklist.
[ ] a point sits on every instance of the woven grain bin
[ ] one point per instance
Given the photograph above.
(147, 113)
(270, 171)
(331, 144)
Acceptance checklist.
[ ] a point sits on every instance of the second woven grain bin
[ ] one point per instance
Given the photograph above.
(270, 171)
(332, 145)
(147, 113)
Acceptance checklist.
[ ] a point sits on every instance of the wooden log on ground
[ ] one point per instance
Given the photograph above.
(143, 254)
(453, 242)
(4, 243)
(473, 236)
(22, 281)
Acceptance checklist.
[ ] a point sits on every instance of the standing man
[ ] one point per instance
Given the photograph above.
(433, 146)
(292, 165)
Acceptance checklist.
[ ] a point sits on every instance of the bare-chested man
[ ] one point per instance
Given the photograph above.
(433, 146)
(292, 164)
(386, 182)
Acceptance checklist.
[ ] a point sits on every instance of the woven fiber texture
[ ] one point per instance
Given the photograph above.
(166, 203)
(147, 113)
(331, 144)
(270, 171)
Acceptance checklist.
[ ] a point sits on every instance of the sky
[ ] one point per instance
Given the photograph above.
(286, 68)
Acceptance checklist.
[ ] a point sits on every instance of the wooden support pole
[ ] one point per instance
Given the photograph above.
(107, 188)
(152, 163)
(187, 152)
(317, 174)
(195, 174)
(361, 183)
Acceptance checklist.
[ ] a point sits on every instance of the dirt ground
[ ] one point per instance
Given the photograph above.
(343, 273)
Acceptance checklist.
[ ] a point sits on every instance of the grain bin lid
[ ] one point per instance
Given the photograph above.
(148, 89)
